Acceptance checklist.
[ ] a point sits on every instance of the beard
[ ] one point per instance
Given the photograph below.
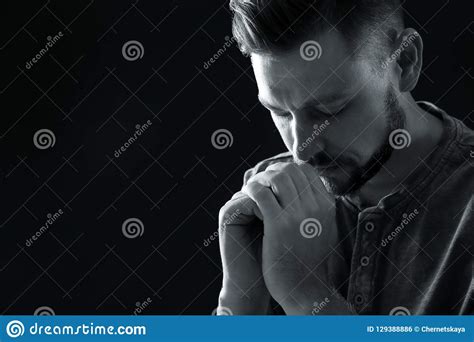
(355, 176)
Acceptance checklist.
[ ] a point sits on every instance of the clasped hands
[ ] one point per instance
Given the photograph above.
(275, 236)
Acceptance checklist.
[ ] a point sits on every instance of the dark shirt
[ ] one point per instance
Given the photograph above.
(413, 252)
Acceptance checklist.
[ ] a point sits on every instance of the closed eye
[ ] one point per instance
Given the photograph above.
(337, 111)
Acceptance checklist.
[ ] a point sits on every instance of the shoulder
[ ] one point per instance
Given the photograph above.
(262, 165)
(465, 137)
(454, 184)
(463, 154)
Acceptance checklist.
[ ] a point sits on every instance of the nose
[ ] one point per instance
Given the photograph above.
(307, 140)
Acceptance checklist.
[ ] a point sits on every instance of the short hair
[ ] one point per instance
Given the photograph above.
(277, 26)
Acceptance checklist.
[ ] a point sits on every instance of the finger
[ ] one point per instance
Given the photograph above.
(238, 195)
(315, 181)
(242, 202)
(301, 182)
(304, 193)
(265, 199)
(279, 183)
(277, 166)
(312, 176)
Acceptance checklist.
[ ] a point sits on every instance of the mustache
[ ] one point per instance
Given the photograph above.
(321, 160)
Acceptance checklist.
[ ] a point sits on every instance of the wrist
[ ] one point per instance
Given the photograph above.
(231, 303)
(310, 299)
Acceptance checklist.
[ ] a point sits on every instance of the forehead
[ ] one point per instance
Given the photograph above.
(292, 77)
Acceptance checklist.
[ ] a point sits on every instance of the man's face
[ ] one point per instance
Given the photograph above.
(334, 112)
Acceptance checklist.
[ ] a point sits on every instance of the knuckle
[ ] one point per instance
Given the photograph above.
(276, 166)
(225, 210)
(252, 180)
(234, 208)
(289, 167)
(277, 178)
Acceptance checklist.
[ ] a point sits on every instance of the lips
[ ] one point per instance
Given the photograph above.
(323, 165)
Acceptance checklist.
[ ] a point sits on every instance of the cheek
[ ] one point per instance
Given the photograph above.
(362, 128)
(284, 128)
(357, 134)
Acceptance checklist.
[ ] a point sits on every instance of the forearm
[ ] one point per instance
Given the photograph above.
(233, 303)
(310, 298)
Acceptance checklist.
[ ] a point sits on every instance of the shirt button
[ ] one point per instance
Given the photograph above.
(358, 299)
(364, 261)
(369, 226)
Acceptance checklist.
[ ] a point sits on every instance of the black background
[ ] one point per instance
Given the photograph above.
(171, 178)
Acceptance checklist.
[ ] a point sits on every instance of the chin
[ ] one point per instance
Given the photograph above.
(334, 186)
(339, 184)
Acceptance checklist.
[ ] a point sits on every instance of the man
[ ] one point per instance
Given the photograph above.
(371, 210)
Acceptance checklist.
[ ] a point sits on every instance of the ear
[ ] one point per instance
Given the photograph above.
(409, 58)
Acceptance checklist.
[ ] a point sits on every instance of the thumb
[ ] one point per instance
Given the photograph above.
(247, 204)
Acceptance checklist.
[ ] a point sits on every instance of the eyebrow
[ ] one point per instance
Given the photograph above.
(311, 102)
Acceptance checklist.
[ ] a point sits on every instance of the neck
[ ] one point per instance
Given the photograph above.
(425, 131)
